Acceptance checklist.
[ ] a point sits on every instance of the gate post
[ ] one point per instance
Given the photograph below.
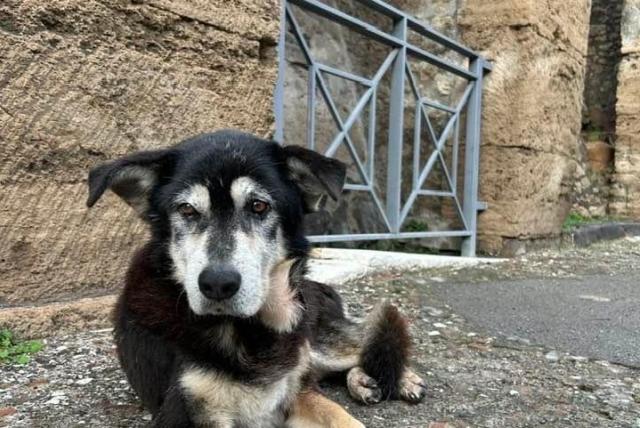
(472, 158)
(396, 129)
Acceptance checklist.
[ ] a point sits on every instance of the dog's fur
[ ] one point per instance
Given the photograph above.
(252, 358)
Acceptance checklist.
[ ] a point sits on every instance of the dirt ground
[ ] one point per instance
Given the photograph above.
(474, 379)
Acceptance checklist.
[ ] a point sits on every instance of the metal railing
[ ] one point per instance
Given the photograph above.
(393, 210)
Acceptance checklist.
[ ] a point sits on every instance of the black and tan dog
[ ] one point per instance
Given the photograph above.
(217, 325)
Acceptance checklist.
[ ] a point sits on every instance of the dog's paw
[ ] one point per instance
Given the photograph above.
(363, 387)
(412, 388)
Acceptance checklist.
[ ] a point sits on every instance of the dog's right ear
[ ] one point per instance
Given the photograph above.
(132, 178)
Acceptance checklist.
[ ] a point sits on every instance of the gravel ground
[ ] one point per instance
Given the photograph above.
(475, 380)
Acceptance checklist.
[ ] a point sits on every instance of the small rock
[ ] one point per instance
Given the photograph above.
(514, 393)
(434, 312)
(552, 356)
(7, 411)
(434, 333)
(578, 359)
(55, 400)
(85, 381)
(439, 425)
(599, 299)
(439, 325)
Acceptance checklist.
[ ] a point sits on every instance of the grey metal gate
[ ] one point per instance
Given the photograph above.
(393, 210)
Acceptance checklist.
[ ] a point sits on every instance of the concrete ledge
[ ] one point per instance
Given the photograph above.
(333, 266)
(58, 318)
(588, 235)
(338, 266)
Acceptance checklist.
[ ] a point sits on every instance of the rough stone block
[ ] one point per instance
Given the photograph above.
(532, 112)
(86, 81)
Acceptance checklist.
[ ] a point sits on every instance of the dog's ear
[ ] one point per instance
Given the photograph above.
(132, 178)
(317, 176)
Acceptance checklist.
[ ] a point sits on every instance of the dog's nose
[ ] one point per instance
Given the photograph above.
(219, 284)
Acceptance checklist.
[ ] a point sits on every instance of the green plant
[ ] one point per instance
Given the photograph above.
(416, 226)
(575, 220)
(17, 352)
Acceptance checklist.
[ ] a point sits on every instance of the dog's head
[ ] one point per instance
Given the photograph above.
(229, 208)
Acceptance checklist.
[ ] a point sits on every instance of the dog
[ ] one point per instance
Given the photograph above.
(217, 325)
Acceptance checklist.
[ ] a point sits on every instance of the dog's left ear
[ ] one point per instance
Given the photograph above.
(317, 176)
(132, 178)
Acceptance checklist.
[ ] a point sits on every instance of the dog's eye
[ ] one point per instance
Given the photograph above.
(187, 211)
(259, 207)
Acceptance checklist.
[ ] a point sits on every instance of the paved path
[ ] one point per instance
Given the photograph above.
(594, 316)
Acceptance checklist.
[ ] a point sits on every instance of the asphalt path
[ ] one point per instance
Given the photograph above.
(592, 316)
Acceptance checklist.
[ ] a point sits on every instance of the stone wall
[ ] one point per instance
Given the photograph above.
(626, 187)
(595, 160)
(603, 57)
(84, 81)
(532, 113)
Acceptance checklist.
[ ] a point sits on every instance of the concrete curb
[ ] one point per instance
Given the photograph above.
(587, 235)
(333, 266)
(339, 266)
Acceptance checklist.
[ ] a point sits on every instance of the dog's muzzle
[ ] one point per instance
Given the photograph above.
(219, 283)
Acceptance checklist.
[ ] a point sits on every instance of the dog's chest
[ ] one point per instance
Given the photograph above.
(218, 401)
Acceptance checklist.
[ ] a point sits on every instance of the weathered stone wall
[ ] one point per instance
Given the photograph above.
(532, 112)
(603, 57)
(84, 81)
(591, 191)
(626, 188)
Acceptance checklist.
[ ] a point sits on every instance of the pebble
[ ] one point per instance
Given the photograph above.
(56, 400)
(593, 298)
(552, 356)
(434, 333)
(85, 381)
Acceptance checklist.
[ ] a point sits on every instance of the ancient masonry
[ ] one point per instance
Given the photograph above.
(626, 186)
(83, 81)
(532, 114)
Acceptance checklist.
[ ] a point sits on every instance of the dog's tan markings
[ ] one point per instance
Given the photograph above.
(224, 401)
(281, 311)
(313, 410)
(334, 360)
(412, 387)
(363, 387)
(224, 337)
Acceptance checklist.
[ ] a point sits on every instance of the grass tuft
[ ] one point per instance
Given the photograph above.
(17, 352)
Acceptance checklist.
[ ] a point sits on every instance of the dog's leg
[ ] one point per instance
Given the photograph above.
(313, 410)
(173, 412)
(412, 388)
(375, 352)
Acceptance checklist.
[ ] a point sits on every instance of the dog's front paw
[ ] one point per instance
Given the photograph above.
(412, 388)
(363, 387)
